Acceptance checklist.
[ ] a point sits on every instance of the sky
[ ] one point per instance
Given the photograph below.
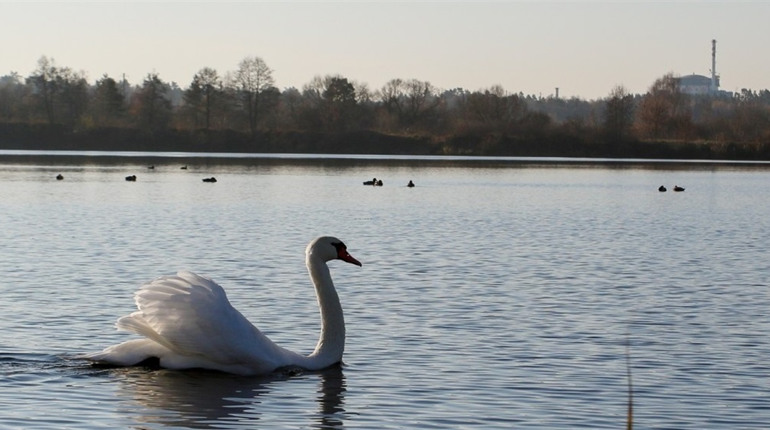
(585, 48)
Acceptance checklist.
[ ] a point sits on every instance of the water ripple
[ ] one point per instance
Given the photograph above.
(489, 297)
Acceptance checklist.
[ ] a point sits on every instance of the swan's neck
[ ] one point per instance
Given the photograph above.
(331, 343)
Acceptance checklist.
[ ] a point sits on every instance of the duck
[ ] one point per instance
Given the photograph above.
(372, 182)
(59, 177)
(131, 178)
(678, 188)
(211, 179)
(662, 189)
(410, 184)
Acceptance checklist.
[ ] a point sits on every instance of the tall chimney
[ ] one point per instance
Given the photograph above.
(714, 84)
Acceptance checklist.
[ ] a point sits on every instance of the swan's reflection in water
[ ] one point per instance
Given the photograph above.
(331, 398)
(202, 399)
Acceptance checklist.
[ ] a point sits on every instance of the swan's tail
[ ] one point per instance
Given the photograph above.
(127, 353)
(133, 351)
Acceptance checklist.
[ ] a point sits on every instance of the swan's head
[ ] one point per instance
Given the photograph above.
(330, 248)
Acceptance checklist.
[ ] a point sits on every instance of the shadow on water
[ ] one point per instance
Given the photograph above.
(197, 398)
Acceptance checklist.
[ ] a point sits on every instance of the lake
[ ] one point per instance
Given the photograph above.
(497, 293)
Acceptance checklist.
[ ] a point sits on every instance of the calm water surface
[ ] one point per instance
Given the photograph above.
(492, 295)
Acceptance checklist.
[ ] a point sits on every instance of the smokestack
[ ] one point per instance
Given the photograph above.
(714, 83)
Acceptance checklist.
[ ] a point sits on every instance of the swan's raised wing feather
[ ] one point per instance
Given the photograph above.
(190, 315)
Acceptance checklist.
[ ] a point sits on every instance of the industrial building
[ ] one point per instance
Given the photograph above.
(703, 85)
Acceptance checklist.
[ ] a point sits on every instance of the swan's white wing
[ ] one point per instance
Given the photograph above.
(191, 316)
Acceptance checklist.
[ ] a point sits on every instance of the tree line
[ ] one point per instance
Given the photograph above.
(242, 110)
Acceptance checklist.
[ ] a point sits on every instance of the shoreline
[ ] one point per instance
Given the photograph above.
(31, 156)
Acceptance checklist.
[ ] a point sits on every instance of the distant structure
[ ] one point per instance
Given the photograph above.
(714, 77)
(699, 85)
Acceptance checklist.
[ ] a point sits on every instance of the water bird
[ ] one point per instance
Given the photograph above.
(678, 188)
(131, 178)
(662, 189)
(59, 177)
(211, 179)
(184, 167)
(410, 184)
(187, 322)
(372, 182)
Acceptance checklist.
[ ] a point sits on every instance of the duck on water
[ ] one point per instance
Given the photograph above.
(374, 181)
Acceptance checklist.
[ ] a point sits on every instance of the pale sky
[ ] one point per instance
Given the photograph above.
(583, 47)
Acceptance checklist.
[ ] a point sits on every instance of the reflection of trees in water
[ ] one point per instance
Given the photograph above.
(202, 399)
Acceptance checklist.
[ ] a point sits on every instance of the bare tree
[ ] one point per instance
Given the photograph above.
(420, 97)
(363, 93)
(392, 98)
(329, 102)
(62, 92)
(663, 110)
(251, 81)
(495, 109)
(619, 113)
(410, 101)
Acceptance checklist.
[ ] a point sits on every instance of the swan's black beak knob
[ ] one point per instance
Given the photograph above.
(342, 254)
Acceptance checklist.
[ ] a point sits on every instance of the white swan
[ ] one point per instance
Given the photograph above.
(188, 322)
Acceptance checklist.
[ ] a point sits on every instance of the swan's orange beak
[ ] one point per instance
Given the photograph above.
(343, 255)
